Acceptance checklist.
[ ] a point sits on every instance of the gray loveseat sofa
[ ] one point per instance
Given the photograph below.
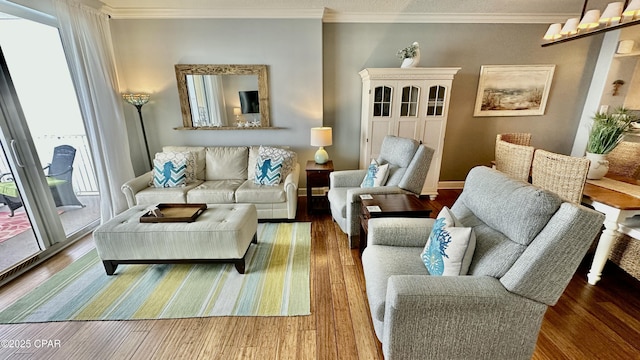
(529, 244)
(224, 175)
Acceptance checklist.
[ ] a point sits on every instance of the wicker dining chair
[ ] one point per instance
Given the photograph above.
(515, 138)
(624, 160)
(565, 175)
(513, 160)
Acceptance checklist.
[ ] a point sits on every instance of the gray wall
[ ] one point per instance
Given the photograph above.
(147, 50)
(302, 54)
(469, 141)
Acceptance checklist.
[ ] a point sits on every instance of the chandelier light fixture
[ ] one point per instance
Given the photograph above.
(591, 22)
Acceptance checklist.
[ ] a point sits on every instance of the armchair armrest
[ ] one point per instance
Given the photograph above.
(456, 317)
(353, 195)
(135, 185)
(292, 180)
(291, 189)
(347, 178)
(399, 231)
(62, 173)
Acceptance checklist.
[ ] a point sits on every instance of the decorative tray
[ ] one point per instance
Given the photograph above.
(174, 213)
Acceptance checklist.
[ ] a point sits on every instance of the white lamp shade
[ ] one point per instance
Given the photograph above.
(237, 111)
(590, 20)
(553, 32)
(321, 136)
(632, 9)
(570, 27)
(612, 13)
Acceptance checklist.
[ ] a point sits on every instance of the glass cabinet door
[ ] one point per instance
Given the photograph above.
(436, 101)
(409, 103)
(382, 101)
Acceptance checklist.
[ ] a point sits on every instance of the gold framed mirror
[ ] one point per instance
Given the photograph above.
(223, 97)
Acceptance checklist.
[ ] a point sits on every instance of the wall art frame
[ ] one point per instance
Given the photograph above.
(513, 90)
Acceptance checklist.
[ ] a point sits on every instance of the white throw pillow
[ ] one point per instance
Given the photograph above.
(450, 248)
(268, 171)
(186, 156)
(169, 173)
(376, 175)
(289, 158)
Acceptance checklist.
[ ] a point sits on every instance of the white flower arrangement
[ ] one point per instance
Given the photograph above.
(409, 52)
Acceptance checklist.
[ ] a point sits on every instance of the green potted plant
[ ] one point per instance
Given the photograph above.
(606, 133)
(410, 55)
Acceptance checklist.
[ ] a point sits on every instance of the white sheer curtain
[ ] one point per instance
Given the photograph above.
(206, 98)
(213, 84)
(86, 39)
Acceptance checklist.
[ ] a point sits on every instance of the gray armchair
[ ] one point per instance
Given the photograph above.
(528, 246)
(408, 166)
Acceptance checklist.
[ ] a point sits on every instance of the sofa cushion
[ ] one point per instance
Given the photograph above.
(214, 192)
(249, 192)
(198, 153)
(153, 195)
(381, 262)
(495, 253)
(268, 171)
(226, 162)
(512, 207)
(169, 173)
(397, 152)
(338, 199)
(254, 152)
(450, 247)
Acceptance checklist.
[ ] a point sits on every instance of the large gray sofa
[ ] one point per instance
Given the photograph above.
(224, 175)
(529, 244)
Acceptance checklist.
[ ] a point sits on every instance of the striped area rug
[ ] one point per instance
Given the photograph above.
(276, 283)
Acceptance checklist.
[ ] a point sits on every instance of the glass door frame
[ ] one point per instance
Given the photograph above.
(37, 198)
(25, 164)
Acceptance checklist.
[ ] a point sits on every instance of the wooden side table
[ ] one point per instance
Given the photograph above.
(390, 205)
(317, 176)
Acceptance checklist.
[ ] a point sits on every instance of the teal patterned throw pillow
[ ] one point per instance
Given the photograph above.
(268, 171)
(450, 248)
(167, 174)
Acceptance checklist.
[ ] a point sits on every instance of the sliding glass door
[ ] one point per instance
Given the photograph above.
(48, 191)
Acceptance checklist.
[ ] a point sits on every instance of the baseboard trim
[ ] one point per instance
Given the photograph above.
(448, 185)
(451, 184)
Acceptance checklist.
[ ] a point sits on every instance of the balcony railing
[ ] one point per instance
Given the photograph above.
(84, 179)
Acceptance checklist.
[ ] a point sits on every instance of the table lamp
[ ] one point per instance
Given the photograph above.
(237, 112)
(321, 136)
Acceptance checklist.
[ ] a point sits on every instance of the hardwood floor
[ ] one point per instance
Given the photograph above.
(589, 322)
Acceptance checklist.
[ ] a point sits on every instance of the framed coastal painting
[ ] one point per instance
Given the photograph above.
(513, 90)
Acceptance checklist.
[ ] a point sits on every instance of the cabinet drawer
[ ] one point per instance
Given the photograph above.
(318, 178)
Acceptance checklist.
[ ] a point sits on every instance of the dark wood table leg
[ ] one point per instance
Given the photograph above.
(110, 266)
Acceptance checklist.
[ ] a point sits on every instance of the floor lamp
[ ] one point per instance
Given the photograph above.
(138, 100)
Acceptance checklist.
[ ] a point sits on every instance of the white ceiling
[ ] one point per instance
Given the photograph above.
(343, 10)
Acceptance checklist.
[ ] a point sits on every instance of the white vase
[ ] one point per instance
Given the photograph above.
(411, 62)
(598, 167)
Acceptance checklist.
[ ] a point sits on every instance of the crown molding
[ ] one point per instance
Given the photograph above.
(147, 13)
(329, 16)
(362, 17)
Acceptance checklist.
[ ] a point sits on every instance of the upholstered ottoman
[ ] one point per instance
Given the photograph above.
(223, 232)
